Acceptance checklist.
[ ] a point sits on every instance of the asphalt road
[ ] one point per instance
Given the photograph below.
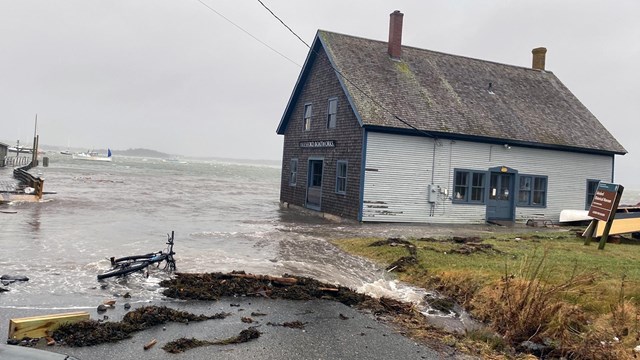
(327, 334)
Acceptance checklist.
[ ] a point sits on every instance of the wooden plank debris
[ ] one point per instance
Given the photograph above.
(41, 326)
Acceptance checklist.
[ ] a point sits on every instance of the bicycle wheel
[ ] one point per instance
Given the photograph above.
(123, 269)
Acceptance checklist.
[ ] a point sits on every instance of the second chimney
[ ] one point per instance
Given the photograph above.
(395, 34)
(539, 55)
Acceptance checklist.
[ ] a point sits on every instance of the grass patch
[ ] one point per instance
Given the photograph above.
(549, 289)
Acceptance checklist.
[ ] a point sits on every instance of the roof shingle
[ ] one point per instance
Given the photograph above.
(448, 94)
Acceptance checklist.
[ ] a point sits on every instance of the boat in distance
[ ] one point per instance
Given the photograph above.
(92, 156)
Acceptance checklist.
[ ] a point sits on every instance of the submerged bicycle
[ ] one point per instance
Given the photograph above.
(129, 264)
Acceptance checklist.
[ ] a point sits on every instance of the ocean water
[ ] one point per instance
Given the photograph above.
(226, 216)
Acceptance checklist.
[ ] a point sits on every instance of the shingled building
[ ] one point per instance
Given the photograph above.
(378, 131)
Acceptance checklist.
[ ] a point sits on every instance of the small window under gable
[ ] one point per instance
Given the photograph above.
(307, 117)
(332, 113)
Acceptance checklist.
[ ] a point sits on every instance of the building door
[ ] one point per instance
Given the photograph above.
(500, 200)
(314, 184)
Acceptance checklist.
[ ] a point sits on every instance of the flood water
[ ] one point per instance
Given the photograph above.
(226, 216)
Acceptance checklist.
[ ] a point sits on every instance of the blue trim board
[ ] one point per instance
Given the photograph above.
(363, 165)
(487, 140)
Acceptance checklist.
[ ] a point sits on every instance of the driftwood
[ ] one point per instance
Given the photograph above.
(150, 344)
(275, 279)
(328, 289)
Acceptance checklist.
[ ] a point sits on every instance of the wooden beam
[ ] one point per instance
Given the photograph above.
(41, 326)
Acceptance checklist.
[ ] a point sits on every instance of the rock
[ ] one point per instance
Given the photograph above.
(3, 289)
(8, 279)
(127, 306)
(102, 308)
(533, 348)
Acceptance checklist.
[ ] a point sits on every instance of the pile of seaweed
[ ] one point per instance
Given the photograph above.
(93, 332)
(213, 286)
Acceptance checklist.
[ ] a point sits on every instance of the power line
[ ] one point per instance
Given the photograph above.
(248, 33)
(349, 80)
(282, 22)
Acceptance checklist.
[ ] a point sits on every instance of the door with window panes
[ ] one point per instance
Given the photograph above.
(500, 200)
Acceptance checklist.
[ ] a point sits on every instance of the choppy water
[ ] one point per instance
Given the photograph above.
(226, 216)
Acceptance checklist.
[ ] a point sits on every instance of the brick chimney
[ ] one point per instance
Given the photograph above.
(539, 55)
(395, 34)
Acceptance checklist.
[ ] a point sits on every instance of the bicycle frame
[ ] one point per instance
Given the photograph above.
(128, 264)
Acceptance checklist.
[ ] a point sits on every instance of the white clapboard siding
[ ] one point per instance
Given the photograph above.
(399, 170)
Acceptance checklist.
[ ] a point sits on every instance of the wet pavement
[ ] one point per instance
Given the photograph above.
(332, 330)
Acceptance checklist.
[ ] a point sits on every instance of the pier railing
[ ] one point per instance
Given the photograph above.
(16, 161)
(22, 174)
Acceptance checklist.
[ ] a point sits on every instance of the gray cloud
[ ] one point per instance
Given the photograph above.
(176, 77)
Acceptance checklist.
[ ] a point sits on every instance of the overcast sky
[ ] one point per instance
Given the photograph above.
(174, 76)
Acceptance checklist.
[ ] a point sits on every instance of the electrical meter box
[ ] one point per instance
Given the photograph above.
(432, 193)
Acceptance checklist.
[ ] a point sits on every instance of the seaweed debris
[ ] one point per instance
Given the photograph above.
(293, 324)
(183, 344)
(213, 286)
(92, 332)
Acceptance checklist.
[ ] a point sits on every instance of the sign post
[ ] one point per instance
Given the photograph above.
(603, 208)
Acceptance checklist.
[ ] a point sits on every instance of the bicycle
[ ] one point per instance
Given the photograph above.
(129, 264)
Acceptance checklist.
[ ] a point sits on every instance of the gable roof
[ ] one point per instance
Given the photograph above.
(454, 96)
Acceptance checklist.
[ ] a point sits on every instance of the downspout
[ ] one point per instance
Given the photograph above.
(433, 176)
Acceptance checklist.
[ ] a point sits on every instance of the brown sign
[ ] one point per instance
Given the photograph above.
(603, 201)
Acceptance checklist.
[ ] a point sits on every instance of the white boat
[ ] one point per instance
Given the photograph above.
(66, 152)
(21, 149)
(92, 156)
(567, 216)
(174, 160)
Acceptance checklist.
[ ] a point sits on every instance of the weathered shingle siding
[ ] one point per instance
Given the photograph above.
(400, 169)
(321, 85)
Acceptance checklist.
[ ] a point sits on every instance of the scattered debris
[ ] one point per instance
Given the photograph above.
(150, 344)
(101, 308)
(92, 332)
(258, 314)
(471, 248)
(127, 306)
(183, 344)
(246, 319)
(293, 324)
(109, 303)
(343, 317)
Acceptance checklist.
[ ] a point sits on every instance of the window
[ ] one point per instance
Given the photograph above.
(293, 172)
(341, 177)
(592, 186)
(307, 117)
(332, 113)
(469, 186)
(532, 191)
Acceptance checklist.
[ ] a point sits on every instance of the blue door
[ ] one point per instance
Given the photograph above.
(500, 204)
